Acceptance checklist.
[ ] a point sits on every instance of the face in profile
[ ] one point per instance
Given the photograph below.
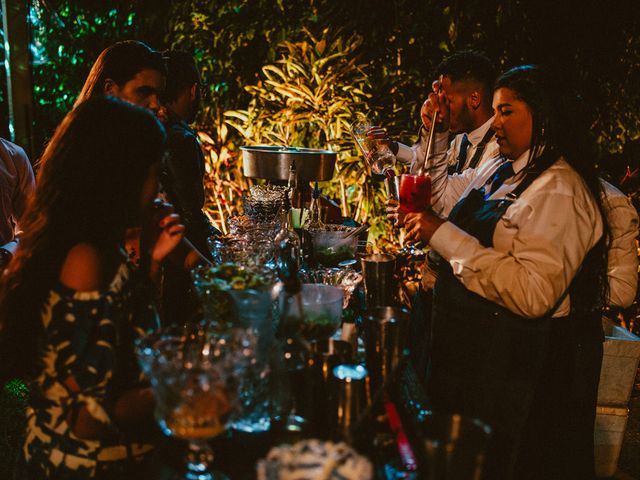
(457, 97)
(513, 123)
(142, 90)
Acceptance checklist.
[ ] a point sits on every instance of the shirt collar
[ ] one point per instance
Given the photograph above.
(476, 136)
(521, 162)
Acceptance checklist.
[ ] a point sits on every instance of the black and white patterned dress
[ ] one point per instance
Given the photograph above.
(89, 336)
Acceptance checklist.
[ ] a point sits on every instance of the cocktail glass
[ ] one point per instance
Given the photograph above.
(415, 193)
(193, 377)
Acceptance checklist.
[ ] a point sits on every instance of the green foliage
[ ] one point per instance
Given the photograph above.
(308, 98)
(243, 48)
(13, 402)
(69, 35)
(259, 79)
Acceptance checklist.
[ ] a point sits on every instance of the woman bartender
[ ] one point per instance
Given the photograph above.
(516, 334)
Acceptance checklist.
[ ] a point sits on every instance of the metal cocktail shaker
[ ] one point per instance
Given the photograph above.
(379, 285)
(385, 337)
(325, 355)
(352, 399)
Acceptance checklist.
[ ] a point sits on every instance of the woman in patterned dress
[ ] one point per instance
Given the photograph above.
(71, 305)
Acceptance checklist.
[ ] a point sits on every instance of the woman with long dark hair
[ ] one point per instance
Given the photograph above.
(71, 306)
(516, 337)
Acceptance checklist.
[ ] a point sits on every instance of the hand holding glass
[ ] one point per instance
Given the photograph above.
(377, 154)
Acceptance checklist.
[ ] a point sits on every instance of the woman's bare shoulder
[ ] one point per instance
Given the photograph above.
(83, 268)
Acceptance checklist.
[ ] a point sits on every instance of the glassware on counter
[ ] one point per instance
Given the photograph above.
(345, 278)
(258, 388)
(331, 246)
(193, 376)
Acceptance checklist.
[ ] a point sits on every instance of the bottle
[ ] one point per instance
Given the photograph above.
(314, 210)
(295, 349)
(292, 186)
(286, 232)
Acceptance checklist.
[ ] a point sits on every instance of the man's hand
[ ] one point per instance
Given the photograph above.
(381, 136)
(436, 100)
(393, 212)
(421, 226)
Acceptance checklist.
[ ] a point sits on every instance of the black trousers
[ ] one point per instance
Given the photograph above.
(420, 331)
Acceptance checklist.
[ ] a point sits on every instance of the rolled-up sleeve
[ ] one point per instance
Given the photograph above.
(544, 239)
(622, 263)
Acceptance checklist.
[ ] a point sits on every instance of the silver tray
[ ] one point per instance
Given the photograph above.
(273, 162)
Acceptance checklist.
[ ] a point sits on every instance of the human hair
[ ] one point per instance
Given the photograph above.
(89, 187)
(560, 128)
(120, 62)
(181, 73)
(471, 65)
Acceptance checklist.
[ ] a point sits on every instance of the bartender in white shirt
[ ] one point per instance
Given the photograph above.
(467, 85)
(516, 335)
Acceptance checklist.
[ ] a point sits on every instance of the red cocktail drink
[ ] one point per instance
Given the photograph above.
(415, 193)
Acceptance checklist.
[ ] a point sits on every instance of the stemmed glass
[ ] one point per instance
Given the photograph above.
(193, 378)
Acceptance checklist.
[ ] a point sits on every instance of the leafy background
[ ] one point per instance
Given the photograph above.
(298, 71)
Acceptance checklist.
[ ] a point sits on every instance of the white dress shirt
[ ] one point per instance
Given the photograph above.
(415, 154)
(622, 262)
(538, 244)
(16, 186)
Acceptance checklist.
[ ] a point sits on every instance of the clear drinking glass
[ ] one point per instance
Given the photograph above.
(378, 156)
(193, 377)
(257, 388)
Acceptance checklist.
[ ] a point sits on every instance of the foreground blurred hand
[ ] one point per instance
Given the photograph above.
(169, 237)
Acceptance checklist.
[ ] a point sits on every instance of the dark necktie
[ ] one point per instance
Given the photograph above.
(503, 172)
(462, 155)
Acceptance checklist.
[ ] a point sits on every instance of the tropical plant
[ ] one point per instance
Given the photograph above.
(308, 98)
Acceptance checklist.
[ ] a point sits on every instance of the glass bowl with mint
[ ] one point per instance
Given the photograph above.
(330, 245)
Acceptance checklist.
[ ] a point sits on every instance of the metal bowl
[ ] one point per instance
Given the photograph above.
(273, 162)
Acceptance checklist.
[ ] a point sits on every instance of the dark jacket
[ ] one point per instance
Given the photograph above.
(181, 178)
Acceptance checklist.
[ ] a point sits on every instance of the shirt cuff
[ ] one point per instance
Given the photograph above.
(405, 154)
(449, 241)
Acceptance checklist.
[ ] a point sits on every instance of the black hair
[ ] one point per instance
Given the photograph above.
(89, 186)
(561, 129)
(120, 62)
(182, 73)
(470, 65)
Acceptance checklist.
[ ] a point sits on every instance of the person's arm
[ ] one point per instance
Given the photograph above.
(25, 187)
(622, 258)
(528, 275)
